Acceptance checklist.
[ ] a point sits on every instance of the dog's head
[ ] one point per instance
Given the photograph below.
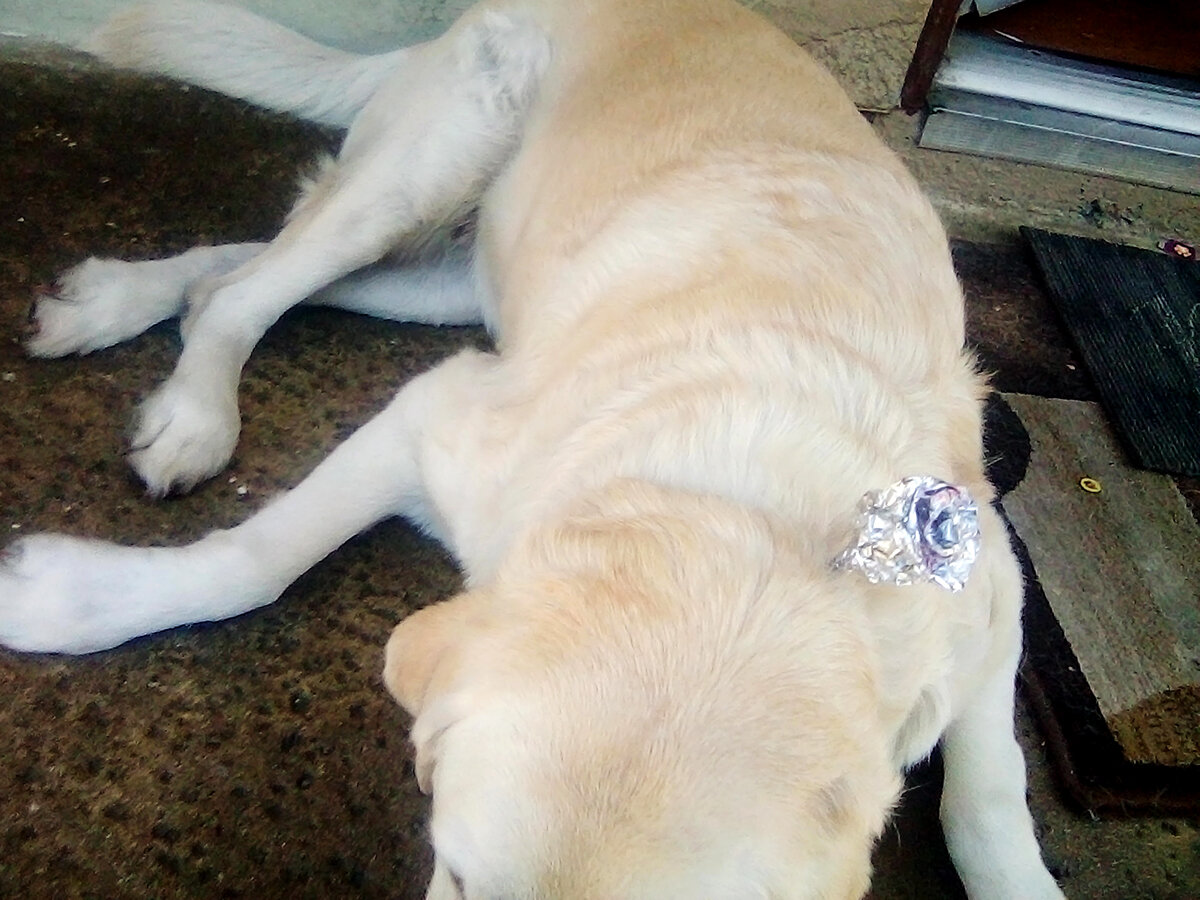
(647, 723)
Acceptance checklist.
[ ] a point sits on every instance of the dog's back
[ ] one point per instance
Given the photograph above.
(696, 132)
(693, 194)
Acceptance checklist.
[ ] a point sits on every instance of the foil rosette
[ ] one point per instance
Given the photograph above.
(917, 531)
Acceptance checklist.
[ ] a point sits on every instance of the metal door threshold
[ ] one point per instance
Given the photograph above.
(1009, 102)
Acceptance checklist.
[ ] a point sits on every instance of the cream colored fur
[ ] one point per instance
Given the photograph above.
(723, 312)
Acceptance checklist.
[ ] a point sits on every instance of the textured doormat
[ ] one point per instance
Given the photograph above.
(1112, 615)
(1135, 316)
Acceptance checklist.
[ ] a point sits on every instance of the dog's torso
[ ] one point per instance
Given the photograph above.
(753, 303)
(751, 315)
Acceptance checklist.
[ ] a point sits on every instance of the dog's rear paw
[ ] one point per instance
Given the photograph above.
(183, 437)
(99, 303)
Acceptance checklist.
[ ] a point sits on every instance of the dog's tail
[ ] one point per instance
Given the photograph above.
(230, 50)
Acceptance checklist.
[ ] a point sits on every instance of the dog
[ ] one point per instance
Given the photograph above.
(724, 314)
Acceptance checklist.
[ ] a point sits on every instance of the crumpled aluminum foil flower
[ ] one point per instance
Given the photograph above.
(918, 530)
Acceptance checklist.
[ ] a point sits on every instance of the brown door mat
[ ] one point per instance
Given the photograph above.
(1087, 759)
(1163, 35)
(1122, 719)
(1135, 316)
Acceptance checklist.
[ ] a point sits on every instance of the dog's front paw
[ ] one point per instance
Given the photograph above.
(99, 303)
(59, 595)
(183, 436)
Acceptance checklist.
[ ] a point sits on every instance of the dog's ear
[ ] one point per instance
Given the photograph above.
(421, 665)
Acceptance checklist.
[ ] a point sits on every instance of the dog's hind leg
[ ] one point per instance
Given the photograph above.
(437, 290)
(102, 302)
(421, 153)
(986, 820)
(70, 595)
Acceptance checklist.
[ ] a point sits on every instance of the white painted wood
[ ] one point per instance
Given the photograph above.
(994, 68)
(987, 7)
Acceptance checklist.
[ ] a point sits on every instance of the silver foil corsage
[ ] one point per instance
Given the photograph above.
(918, 530)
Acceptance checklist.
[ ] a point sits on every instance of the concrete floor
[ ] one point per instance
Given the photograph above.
(261, 757)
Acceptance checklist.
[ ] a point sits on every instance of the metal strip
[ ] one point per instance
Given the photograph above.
(1016, 113)
(1021, 143)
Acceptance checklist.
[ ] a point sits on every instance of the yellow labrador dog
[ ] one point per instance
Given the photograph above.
(690, 661)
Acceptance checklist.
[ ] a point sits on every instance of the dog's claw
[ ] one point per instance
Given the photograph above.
(30, 327)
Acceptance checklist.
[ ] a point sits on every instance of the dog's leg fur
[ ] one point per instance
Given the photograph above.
(437, 140)
(229, 49)
(72, 595)
(441, 290)
(102, 302)
(988, 829)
